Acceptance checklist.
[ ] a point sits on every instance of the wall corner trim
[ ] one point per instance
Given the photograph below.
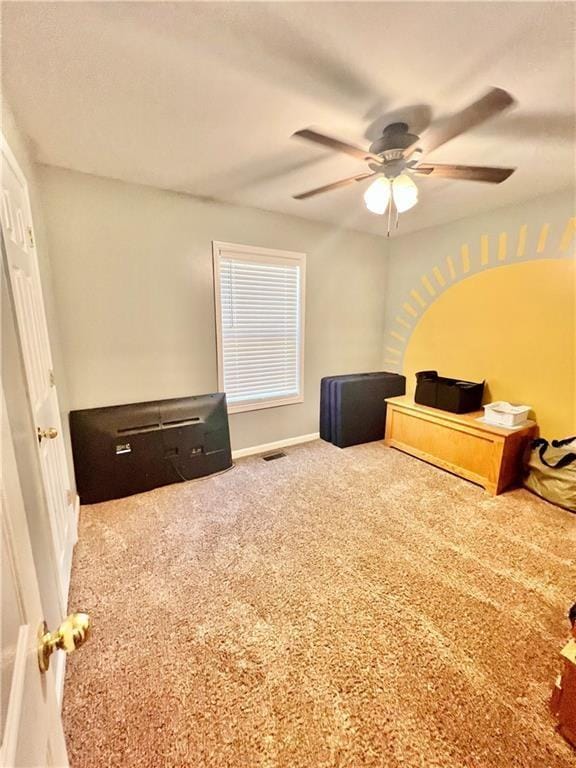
(265, 447)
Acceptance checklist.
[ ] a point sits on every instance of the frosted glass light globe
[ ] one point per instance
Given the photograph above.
(404, 193)
(377, 196)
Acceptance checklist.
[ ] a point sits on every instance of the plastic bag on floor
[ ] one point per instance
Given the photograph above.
(551, 471)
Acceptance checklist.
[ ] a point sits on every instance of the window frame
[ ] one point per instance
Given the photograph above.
(265, 256)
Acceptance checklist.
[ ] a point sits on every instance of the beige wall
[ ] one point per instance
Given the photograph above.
(133, 292)
(132, 274)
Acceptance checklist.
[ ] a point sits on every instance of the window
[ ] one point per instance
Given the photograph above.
(260, 325)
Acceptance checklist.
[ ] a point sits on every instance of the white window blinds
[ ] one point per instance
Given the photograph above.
(259, 302)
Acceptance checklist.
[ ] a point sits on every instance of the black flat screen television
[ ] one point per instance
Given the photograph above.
(125, 449)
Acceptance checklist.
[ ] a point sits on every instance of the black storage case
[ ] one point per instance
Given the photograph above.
(126, 449)
(353, 407)
(452, 395)
(326, 402)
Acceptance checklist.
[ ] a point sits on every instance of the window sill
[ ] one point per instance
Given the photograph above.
(257, 405)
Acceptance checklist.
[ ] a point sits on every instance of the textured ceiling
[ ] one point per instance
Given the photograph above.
(203, 97)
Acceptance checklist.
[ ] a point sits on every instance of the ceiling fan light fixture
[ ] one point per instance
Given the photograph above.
(404, 193)
(398, 151)
(377, 196)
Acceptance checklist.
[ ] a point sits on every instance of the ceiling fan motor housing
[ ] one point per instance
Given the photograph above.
(390, 146)
(394, 136)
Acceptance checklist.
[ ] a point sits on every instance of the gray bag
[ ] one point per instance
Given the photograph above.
(551, 471)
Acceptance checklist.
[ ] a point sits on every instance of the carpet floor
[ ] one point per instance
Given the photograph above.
(328, 609)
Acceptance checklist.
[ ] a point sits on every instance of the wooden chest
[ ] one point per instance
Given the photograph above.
(487, 455)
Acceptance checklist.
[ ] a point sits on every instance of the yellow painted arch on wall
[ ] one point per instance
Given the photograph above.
(515, 326)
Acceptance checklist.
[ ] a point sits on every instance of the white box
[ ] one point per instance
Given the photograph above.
(503, 414)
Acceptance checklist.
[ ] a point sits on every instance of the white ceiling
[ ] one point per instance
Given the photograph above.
(203, 97)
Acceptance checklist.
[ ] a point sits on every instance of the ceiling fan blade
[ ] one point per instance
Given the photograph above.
(465, 172)
(496, 100)
(334, 185)
(340, 146)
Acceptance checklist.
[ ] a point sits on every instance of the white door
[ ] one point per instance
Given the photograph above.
(31, 319)
(31, 733)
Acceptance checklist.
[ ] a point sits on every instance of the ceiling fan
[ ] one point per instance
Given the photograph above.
(397, 154)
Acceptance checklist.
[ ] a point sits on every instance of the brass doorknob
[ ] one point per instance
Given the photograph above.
(49, 433)
(70, 635)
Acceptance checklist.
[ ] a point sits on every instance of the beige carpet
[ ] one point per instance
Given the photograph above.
(332, 608)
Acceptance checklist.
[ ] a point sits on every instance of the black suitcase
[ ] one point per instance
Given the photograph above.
(326, 403)
(359, 407)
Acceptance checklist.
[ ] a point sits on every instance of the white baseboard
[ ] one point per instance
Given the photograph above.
(265, 447)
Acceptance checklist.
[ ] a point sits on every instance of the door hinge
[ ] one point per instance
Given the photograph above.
(52, 378)
(30, 237)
